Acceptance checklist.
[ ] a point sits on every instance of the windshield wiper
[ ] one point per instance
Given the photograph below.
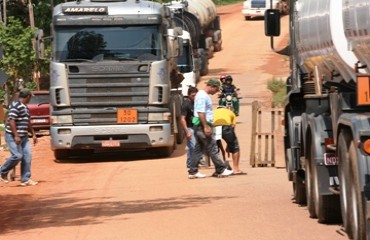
(122, 59)
(78, 60)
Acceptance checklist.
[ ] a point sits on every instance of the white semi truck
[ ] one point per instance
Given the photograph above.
(327, 112)
(188, 64)
(199, 18)
(256, 8)
(113, 84)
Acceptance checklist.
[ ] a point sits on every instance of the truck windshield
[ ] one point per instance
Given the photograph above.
(107, 43)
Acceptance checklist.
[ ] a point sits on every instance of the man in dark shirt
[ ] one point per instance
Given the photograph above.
(16, 137)
(187, 113)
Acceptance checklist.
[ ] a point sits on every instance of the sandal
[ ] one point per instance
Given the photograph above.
(240, 173)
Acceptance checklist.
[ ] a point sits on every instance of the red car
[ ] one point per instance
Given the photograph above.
(40, 110)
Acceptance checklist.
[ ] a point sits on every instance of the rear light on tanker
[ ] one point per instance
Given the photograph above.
(366, 146)
(328, 144)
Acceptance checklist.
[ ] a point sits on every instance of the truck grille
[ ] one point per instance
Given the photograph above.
(95, 101)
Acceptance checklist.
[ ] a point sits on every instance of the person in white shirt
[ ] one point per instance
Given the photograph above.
(203, 129)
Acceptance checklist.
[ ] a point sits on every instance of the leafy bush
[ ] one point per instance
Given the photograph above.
(278, 89)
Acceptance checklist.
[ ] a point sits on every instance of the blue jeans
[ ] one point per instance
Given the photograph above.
(21, 152)
(205, 145)
(190, 147)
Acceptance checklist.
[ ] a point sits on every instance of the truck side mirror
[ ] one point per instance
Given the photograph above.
(175, 42)
(272, 22)
(40, 48)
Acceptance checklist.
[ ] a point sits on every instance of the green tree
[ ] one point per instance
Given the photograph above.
(18, 54)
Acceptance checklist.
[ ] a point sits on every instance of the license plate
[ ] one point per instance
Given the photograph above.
(39, 120)
(127, 116)
(110, 143)
(330, 159)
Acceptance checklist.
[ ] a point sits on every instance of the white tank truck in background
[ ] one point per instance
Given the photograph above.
(188, 64)
(110, 83)
(327, 111)
(256, 8)
(202, 32)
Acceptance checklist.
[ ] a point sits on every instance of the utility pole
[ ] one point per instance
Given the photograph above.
(4, 11)
(32, 17)
(32, 25)
(1, 13)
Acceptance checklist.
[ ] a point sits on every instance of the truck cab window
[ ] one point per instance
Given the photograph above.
(110, 43)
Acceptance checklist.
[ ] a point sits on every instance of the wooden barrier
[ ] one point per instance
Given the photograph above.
(264, 125)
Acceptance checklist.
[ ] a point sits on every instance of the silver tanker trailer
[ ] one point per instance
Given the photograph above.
(327, 111)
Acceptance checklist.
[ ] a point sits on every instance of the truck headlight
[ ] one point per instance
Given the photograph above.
(155, 117)
(62, 119)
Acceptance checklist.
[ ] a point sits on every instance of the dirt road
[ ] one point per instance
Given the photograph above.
(135, 196)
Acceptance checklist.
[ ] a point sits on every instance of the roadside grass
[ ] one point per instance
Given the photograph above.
(226, 2)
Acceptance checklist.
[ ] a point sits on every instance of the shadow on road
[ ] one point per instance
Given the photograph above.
(61, 210)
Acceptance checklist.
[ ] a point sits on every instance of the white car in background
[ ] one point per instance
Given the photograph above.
(256, 8)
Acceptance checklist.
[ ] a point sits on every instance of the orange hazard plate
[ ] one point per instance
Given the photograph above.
(127, 115)
(363, 90)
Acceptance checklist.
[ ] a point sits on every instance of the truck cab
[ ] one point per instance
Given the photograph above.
(111, 77)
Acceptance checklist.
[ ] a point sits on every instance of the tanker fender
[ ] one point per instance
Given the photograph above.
(359, 125)
(315, 129)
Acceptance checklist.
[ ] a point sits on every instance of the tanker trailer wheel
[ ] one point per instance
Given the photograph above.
(180, 136)
(311, 182)
(203, 57)
(325, 207)
(289, 163)
(343, 170)
(356, 201)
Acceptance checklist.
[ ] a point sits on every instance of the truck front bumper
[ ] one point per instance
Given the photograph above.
(112, 136)
(253, 13)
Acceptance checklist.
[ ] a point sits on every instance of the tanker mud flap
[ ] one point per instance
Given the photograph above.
(299, 187)
(330, 211)
(368, 218)
(367, 197)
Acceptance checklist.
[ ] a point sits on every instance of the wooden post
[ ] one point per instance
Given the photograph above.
(252, 157)
(273, 119)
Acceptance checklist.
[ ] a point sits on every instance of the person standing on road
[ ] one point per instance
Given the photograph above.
(227, 120)
(187, 114)
(17, 127)
(203, 129)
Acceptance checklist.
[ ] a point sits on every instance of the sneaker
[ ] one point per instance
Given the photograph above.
(227, 165)
(197, 175)
(4, 178)
(29, 182)
(226, 173)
